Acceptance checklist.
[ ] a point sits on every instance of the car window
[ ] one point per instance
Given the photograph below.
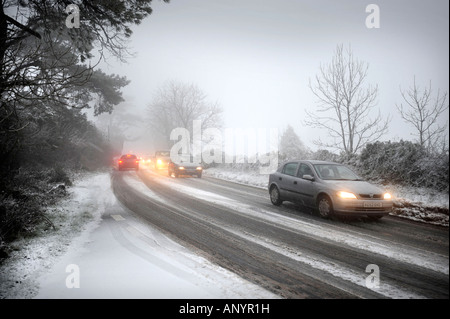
(304, 170)
(335, 172)
(290, 169)
(129, 156)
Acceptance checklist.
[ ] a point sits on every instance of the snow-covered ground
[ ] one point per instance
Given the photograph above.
(418, 204)
(89, 222)
(94, 232)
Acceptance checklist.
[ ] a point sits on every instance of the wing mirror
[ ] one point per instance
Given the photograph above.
(309, 178)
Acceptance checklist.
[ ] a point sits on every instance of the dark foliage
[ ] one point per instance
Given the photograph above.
(404, 163)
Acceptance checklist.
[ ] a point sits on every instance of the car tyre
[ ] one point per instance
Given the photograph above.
(275, 196)
(325, 207)
(199, 175)
(375, 217)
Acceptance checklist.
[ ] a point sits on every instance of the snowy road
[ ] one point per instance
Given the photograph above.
(290, 253)
(119, 255)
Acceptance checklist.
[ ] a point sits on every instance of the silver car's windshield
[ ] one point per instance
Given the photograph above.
(335, 172)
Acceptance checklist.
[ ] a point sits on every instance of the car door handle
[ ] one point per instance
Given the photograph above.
(280, 178)
(295, 182)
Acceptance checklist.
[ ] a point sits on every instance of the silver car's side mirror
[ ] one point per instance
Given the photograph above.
(308, 177)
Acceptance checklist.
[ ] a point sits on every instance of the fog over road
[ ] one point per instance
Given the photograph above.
(289, 250)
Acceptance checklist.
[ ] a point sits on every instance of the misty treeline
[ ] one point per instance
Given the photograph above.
(48, 78)
(177, 105)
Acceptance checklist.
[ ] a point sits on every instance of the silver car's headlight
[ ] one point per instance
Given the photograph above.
(346, 195)
(387, 196)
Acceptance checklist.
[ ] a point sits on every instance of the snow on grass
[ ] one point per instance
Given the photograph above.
(77, 214)
(421, 204)
(245, 177)
(418, 204)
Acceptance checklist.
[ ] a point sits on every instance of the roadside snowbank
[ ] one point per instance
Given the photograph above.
(418, 204)
(74, 217)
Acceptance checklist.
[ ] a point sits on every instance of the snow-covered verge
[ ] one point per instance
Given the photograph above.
(246, 177)
(418, 204)
(31, 256)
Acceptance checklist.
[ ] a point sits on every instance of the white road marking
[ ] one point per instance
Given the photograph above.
(117, 218)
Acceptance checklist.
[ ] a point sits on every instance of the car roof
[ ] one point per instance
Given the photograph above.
(322, 162)
(313, 162)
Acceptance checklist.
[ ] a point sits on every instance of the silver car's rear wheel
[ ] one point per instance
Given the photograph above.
(325, 207)
(275, 196)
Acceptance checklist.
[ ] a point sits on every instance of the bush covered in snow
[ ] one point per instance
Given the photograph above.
(404, 163)
(37, 172)
(23, 202)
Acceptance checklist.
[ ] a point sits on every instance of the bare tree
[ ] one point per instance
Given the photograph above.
(345, 104)
(178, 104)
(423, 111)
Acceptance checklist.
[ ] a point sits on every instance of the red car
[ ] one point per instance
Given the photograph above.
(128, 161)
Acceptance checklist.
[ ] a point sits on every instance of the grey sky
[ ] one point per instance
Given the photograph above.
(256, 56)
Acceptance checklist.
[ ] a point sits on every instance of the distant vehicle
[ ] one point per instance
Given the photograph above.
(162, 159)
(147, 160)
(185, 166)
(328, 187)
(128, 161)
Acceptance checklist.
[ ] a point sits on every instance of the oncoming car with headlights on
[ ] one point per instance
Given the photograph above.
(185, 165)
(161, 160)
(330, 188)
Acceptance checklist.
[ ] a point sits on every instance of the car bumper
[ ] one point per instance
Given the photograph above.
(162, 165)
(125, 166)
(188, 171)
(362, 207)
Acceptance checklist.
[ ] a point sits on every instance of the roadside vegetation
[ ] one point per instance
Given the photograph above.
(48, 79)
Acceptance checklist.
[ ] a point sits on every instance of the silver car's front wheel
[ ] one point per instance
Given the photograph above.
(275, 197)
(325, 207)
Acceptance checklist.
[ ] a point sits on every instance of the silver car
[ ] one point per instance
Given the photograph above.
(329, 187)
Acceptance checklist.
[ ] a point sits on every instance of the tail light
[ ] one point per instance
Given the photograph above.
(120, 161)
